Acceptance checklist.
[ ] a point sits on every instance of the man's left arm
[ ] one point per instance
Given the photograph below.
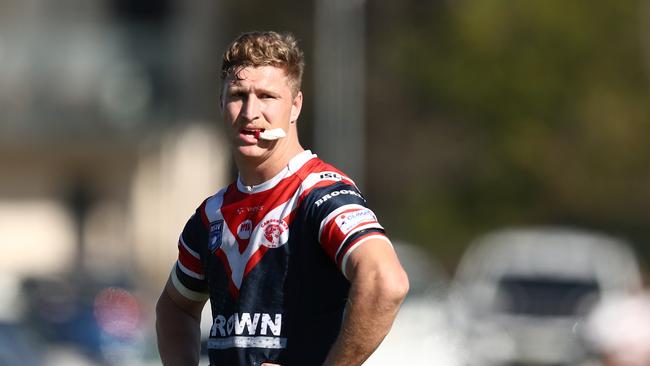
(378, 285)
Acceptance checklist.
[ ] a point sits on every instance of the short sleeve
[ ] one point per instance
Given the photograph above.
(188, 275)
(342, 219)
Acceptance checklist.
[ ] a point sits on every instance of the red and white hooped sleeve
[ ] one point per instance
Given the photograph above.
(346, 228)
(188, 274)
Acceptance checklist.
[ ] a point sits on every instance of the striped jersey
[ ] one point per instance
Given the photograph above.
(271, 258)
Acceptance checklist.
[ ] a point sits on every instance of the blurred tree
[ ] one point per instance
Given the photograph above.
(507, 113)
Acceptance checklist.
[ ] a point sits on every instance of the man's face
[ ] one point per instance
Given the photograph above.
(255, 99)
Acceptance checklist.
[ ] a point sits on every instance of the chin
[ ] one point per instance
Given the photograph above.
(250, 151)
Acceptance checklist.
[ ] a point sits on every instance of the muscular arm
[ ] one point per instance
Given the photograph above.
(178, 328)
(378, 287)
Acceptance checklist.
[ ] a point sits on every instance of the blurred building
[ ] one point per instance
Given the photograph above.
(107, 136)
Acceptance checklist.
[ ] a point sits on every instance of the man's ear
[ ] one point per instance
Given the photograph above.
(296, 107)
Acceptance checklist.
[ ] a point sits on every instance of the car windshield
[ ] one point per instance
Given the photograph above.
(546, 296)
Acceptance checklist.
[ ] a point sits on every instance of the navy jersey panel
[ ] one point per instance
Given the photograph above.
(273, 257)
(317, 308)
(320, 281)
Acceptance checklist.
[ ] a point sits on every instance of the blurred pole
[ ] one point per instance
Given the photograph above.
(644, 33)
(199, 28)
(79, 201)
(340, 79)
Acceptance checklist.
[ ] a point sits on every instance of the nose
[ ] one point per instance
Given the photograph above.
(251, 108)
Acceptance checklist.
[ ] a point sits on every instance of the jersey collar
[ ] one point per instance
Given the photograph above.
(293, 166)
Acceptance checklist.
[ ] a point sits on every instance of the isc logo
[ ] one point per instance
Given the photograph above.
(330, 175)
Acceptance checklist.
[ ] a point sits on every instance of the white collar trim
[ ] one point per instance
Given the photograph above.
(293, 166)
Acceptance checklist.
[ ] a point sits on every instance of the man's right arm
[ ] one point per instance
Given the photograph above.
(178, 328)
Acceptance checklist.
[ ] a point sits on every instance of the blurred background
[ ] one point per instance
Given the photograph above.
(504, 146)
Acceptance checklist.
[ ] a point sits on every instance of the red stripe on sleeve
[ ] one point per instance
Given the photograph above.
(188, 260)
(331, 238)
(345, 223)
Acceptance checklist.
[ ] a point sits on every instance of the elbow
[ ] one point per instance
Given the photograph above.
(395, 287)
(402, 286)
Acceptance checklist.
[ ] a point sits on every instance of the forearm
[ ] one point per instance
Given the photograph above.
(372, 306)
(179, 334)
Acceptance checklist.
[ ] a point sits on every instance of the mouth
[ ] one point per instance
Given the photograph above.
(254, 132)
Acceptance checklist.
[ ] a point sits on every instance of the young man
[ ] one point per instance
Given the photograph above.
(297, 269)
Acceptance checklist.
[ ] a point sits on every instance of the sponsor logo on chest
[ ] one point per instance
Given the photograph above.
(246, 324)
(247, 330)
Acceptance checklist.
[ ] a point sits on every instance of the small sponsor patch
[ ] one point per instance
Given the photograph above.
(276, 233)
(216, 229)
(244, 230)
(347, 221)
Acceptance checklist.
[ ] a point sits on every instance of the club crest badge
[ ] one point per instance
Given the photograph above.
(276, 233)
(216, 229)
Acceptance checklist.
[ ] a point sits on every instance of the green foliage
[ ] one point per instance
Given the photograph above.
(549, 99)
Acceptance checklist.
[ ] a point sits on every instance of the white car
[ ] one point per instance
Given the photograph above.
(520, 296)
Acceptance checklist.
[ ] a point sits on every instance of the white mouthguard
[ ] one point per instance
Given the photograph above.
(273, 134)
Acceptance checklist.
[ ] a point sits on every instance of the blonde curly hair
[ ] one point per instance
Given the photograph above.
(265, 49)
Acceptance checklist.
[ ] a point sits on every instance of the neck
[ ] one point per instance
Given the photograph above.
(254, 171)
